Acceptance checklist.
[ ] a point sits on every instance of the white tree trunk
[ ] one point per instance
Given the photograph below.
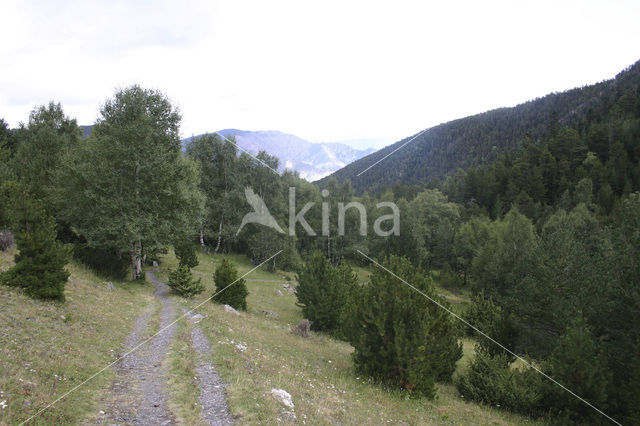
(219, 238)
(136, 260)
(202, 244)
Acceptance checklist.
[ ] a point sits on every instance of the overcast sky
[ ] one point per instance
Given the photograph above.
(324, 70)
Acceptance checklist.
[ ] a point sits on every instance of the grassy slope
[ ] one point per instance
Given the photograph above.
(39, 346)
(317, 371)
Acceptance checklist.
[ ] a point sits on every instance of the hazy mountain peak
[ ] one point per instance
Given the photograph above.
(313, 160)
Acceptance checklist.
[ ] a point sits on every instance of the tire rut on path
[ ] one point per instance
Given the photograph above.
(212, 390)
(140, 395)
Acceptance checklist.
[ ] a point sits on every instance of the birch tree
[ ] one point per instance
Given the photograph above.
(222, 184)
(128, 186)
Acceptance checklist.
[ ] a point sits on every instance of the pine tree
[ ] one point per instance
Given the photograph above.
(493, 320)
(403, 338)
(491, 380)
(578, 364)
(322, 292)
(40, 261)
(186, 253)
(5, 177)
(181, 281)
(229, 289)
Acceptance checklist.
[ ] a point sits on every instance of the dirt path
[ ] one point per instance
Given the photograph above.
(139, 395)
(212, 389)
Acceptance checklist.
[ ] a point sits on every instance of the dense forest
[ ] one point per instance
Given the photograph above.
(535, 210)
(598, 114)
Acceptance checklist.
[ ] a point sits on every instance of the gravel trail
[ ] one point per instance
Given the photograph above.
(139, 392)
(212, 390)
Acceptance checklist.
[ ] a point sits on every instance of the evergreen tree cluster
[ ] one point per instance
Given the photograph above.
(400, 337)
(560, 291)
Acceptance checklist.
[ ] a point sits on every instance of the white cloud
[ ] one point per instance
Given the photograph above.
(326, 70)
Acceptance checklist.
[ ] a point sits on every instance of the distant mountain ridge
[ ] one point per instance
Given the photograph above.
(480, 139)
(312, 160)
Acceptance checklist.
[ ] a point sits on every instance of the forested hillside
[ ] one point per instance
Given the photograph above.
(596, 112)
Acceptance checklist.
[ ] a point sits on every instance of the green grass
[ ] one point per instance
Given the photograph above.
(183, 387)
(47, 348)
(317, 372)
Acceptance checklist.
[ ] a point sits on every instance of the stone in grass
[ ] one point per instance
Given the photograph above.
(28, 387)
(289, 288)
(278, 293)
(197, 318)
(289, 416)
(271, 314)
(283, 396)
(229, 309)
(303, 329)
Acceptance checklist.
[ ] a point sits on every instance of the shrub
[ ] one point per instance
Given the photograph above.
(229, 289)
(186, 253)
(449, 278)
(490, 380)
(491, 319)
(6, 240)
(322, 292)
(181, 281)
(402, 338)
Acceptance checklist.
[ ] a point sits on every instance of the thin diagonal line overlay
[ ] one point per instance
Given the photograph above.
(465, 322)
(393, 152)
(141, 344)
(250, 154)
